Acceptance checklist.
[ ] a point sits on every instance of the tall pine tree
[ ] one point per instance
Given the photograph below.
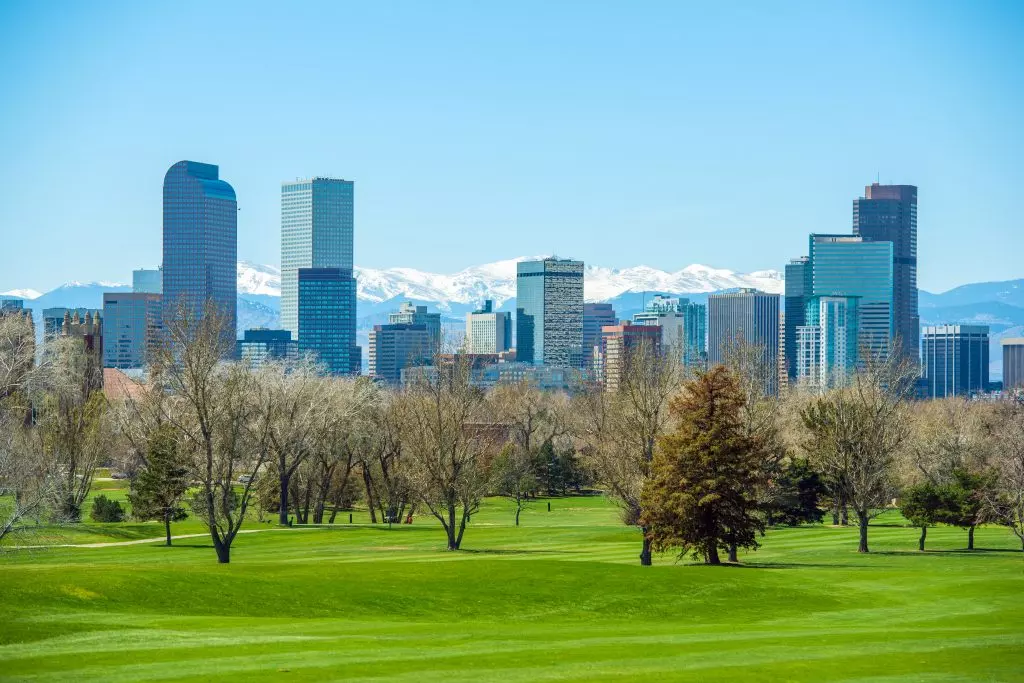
(158, 489)
(700, 497)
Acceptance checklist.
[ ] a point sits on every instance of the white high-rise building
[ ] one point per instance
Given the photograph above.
(488, 331)
(316, 232)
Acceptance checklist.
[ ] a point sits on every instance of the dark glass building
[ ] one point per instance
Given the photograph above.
(888, 213)
(549, 312)
(955, 359)
(327, 318)
(396, 347)
(595, 316)
(131, 326)
(798, 292)
(260, 345)
(1013, 363)
(200, 241)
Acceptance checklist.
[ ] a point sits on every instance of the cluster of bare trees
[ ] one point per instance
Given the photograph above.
(54, 426)
(229, 442)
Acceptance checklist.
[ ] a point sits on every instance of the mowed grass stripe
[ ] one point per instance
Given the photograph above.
(546, 601)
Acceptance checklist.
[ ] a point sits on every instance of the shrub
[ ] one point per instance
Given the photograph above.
(106, 510)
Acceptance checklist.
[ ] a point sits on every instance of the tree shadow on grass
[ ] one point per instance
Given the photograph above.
(979, 552)
(509, 551)
(788, 565)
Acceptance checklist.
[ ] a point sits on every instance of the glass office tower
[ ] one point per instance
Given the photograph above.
(955, 359)
(849, 266)
(316, 232)
(888, 213)
(798, 291)
(827, 342)
(327, 318)
(549, 312)
(200, 242)
(131, 328)
(750, 315)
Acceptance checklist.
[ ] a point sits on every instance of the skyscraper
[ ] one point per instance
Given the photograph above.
(955, 359)
(750, 315)
(396, 347)
(410, 314)
(847, 265)
(316, 232)
(889, 213)
(488, 331)
(827, 342)
(619, 341)
(595, 316)
(549, 312)
(148, 281)
(200, 242)
(683, 325)
(327, 318)
(1013, 363)
(798, 291)
(131, 326)
(259, 345)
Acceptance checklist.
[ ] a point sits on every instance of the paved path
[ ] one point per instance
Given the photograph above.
(141, 541)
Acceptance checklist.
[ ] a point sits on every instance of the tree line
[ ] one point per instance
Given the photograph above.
(700, 462)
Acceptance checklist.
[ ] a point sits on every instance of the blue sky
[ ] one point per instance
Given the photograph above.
(619, 133)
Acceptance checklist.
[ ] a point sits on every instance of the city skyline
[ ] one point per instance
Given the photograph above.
(450, 151)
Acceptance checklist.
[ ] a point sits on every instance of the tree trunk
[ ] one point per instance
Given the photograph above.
(732, 554)
(970, 537)
(370, 502)
(924, 535)
(167, 525)
(712, 555)
(452, 543)
(862, 522)
(645, 552)
(844, 516)
(835, 514)
(282, 517)
(518, 510)
(334, 513)
(223, 550)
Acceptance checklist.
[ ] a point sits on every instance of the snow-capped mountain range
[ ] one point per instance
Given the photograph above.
(497, 281)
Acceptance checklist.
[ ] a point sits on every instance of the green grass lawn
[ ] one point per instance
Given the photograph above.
(560, 598)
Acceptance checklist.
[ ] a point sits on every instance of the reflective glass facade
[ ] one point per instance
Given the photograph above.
(200, 253)
(327, 318)
(748, 314)
(798, 291)
(316, 232)
(549, 312)
(148, 281)
(131, 325)
(827, 342)
(889, 213)
(846, 265)
(955, 359)
(683, 323)
(410, 314)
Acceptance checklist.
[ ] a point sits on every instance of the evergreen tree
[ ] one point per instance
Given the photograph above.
(160, 486)
(965, 506)
(923, 505)
(700, 496)
(797, 495)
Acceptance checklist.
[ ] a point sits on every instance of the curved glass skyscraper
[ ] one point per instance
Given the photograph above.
(200, 241)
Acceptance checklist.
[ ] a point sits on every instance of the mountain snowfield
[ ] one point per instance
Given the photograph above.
(497, 281)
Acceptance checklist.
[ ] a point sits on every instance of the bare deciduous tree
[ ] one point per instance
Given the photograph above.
(444, 441)
(219, 410)
(618, 429)
(1006, 501)
(857, 431)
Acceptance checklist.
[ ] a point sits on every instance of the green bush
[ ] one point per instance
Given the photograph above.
(106, 510)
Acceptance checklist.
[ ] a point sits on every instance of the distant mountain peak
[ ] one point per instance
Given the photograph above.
(26, 294)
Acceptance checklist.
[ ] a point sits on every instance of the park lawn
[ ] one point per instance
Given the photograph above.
(560, 598)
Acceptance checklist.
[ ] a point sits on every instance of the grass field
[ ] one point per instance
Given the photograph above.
(560, 598)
